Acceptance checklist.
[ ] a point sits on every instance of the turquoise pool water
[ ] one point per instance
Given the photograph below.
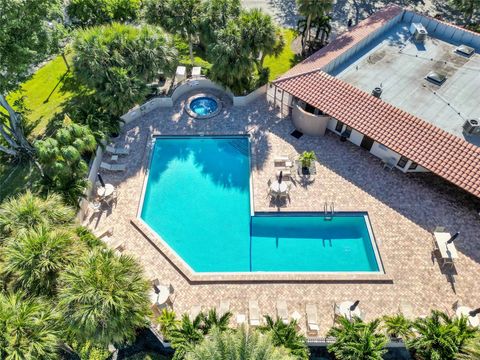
(198, 200)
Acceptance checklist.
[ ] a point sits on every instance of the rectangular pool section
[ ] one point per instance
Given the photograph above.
(197, 199)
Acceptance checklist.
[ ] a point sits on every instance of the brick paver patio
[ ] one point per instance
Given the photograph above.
(403, 210)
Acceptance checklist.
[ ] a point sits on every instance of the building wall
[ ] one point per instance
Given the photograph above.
(308, 123)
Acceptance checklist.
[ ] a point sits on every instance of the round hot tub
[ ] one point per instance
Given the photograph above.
(203, 106)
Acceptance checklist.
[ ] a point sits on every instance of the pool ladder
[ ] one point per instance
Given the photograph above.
(328, 210)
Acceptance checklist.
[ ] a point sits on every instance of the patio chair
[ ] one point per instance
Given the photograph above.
(113, 167)
(406, 309)
(389, 163)
(117, 150)
(282, 161)
(282, 311)
(253, 313)
(224, 307)
(312, 317)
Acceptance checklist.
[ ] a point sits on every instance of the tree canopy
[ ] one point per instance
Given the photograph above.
(97, 12)
(117, 61)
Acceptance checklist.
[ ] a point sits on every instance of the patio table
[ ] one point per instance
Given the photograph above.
(278, 187)
(344, 309)
(160, 297)
(105, 191)
(465, 311)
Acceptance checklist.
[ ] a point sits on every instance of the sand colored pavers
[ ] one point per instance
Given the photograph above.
(403, 210)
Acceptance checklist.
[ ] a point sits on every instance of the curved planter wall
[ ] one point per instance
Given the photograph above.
(308, 123)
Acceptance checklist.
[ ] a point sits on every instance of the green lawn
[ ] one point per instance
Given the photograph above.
(15, 178)
(44, 94)
(282, 63)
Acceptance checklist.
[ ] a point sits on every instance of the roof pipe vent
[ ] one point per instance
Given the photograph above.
(377, 92)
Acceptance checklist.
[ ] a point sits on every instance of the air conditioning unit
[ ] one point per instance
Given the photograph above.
(418, 31)
(472, 126)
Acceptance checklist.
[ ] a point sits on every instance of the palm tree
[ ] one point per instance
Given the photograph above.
(104, 298)
(398, 326)
(28, 328)
(261, 35)
(356, 340)
(312, 9)
(168, 322)
(439, 337)
(214, 16)
(24, 212)
(238, 344)
(186, 335)
(287, 335)
(232, 63)
(211, 320)
(471, 349)
(35, 259)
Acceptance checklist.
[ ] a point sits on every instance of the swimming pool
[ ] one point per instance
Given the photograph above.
(197, 199)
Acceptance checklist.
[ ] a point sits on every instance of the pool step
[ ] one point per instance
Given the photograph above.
(241, 146)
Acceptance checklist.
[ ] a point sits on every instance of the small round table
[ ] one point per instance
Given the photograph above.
(465, 311)
(278, 187)
(160, 297)
(105, 191)
(344, 309)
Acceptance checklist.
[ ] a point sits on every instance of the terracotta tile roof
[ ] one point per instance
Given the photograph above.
(345, 41)
(431, 147)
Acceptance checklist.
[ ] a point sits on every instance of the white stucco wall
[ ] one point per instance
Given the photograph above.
(307, 123)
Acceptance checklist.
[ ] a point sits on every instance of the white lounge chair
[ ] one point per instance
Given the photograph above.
(282, 161)
(253, 313)
(113, 167)
(282, 311)
(312, 318)
(224, 307)
(195, 310)
(117, 150)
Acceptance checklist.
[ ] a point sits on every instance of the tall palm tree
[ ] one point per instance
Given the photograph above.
(186, 335)
(471, 349)
(287, 335)
(238, 344)
(35, 259)
(211, 320)
(439, 337)
(24, 212)
(261, 35)
(357, 340)
(232, 63)
(104, 298)
(28, 329)
(312, 9)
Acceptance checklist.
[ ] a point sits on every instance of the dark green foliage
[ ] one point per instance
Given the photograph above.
(96, 12)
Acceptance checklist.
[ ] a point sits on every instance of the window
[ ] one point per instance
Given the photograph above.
(339, 126)
(347, 132)
(309, 108)
(413, 166)
(402, 162)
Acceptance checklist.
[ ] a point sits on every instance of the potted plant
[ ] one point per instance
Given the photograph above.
(306, 159)
(397, 327)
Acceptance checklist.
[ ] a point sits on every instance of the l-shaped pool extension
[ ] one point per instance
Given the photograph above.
(197, 199)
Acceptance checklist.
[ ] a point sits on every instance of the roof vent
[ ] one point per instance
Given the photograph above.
(418, 31)
(377, 92)
(472, 126)
(436, 78)
(465, 50)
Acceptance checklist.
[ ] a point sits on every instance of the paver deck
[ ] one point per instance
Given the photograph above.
(403, 209)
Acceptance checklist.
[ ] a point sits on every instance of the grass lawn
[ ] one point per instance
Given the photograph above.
(15, 178)
(282, 63)
(44, 95)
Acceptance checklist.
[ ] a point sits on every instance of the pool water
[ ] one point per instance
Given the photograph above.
(204, 106)
(197, 199)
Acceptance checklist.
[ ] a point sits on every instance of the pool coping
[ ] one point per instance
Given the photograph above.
(192, 276)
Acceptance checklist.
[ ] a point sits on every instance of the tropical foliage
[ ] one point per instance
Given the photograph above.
(440, 337)
(315, 12)
(215, 15)
(357, 340)
(96, 12)
(116, 61)
(61, 160)
(287, 335)
(471, 349)
(20, 214)
(239, 344)
(28, 328)
(398, 326)
(468, 8)
(186, 335)
(103, 298)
